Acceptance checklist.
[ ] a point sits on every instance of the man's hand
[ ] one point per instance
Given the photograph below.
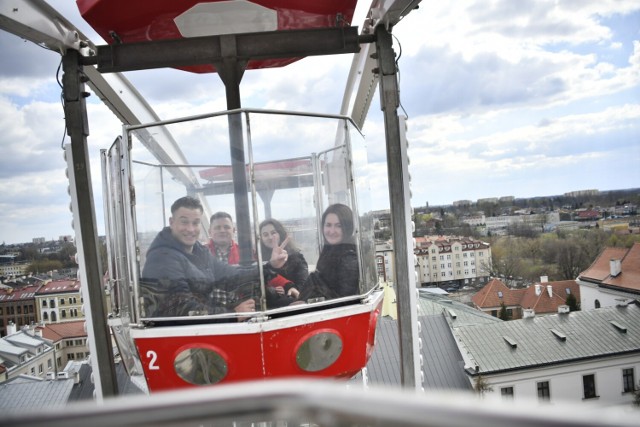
(243, 307)
(279, 255)
(293, 292)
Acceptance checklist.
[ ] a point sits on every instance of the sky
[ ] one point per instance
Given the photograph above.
(503, 98)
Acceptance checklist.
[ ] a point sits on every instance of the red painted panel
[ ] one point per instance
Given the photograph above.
(140, 20)
(280, 348)
(242, 353)
(244, 356)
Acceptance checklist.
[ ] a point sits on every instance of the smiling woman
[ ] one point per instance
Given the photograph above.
(336, 274)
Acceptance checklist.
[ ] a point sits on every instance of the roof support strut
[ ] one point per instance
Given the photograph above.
(84, 224)
(400, 210)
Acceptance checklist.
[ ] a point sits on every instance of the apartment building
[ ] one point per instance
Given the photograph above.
(13, 269)
(17, 307)
(59, 301)
(385, 260)
(500, 224)
(456, 260)
(24, 353)
(69, 340)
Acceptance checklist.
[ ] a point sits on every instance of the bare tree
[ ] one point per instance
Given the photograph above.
(572, 259)
(506, 261)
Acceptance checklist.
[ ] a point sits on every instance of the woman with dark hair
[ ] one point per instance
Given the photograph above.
(337, 272)
(295, 270)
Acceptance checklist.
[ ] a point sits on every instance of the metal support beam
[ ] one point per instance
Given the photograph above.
(400, 211)
(37, 21)
(231, 69)
(84, 221)
(209, 50)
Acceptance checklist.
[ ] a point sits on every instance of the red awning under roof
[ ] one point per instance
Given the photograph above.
(262, 170)
(128, 21)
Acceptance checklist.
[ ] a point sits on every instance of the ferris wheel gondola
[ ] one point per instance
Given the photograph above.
(256, 164)
(334, 337)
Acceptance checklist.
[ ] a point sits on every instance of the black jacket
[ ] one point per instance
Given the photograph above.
(177, 283)
(336, 275)
(296, 270)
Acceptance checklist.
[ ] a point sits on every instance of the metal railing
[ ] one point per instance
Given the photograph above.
(320, 403)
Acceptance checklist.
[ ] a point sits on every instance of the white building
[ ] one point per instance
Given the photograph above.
(451, 259)
(385, 261)
(16, 270)
(612, 278)
(59, 301)
(586, 357)
(23, 353)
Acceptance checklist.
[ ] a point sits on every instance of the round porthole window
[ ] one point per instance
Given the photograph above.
(200, 366)
(319, 351)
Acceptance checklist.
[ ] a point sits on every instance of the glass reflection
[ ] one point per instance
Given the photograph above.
(200, 366)
(296, 166)
(319, 351)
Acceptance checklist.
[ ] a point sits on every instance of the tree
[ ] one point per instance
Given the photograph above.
(29, 253)
(66, 254)
(503, 314)
(505, 259)
(44, 266)
(481, 386)
(572, 302)
(572, 259)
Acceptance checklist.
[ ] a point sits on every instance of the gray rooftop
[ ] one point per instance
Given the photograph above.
(22, 339)
(25, 392)
(8, 348)
(443, 365)
(554, 339)
(457, 313)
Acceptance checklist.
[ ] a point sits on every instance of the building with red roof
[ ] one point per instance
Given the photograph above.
(612, 279)
(59, 301)
(69, 339)
(442, 260)
(17, 305)
(539, 299)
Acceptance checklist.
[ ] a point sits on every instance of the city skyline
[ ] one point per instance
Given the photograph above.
(502, 99)
(44, 239)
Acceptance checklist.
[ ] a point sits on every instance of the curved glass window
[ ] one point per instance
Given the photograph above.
(256, 176)
(200, 366)
(319, 351)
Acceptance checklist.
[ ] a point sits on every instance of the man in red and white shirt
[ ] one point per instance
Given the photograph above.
(221, 244)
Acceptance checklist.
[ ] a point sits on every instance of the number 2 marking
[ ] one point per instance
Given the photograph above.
(154, 358)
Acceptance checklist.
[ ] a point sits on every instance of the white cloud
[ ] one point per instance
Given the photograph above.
(504, 97)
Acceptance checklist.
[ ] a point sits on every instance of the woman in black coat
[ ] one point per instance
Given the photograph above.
(294, 272)
(337, 271)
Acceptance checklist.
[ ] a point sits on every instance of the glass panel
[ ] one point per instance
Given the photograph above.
(285, 169)
(116, 237)
(319, 351)
(366, 219)
(200, 366)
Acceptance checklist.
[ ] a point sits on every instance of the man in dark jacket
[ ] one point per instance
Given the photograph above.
(182, 278)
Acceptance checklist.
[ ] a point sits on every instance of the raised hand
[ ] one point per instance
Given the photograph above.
(279, 254)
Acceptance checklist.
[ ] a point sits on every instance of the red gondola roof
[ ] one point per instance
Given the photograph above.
(129, 21)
